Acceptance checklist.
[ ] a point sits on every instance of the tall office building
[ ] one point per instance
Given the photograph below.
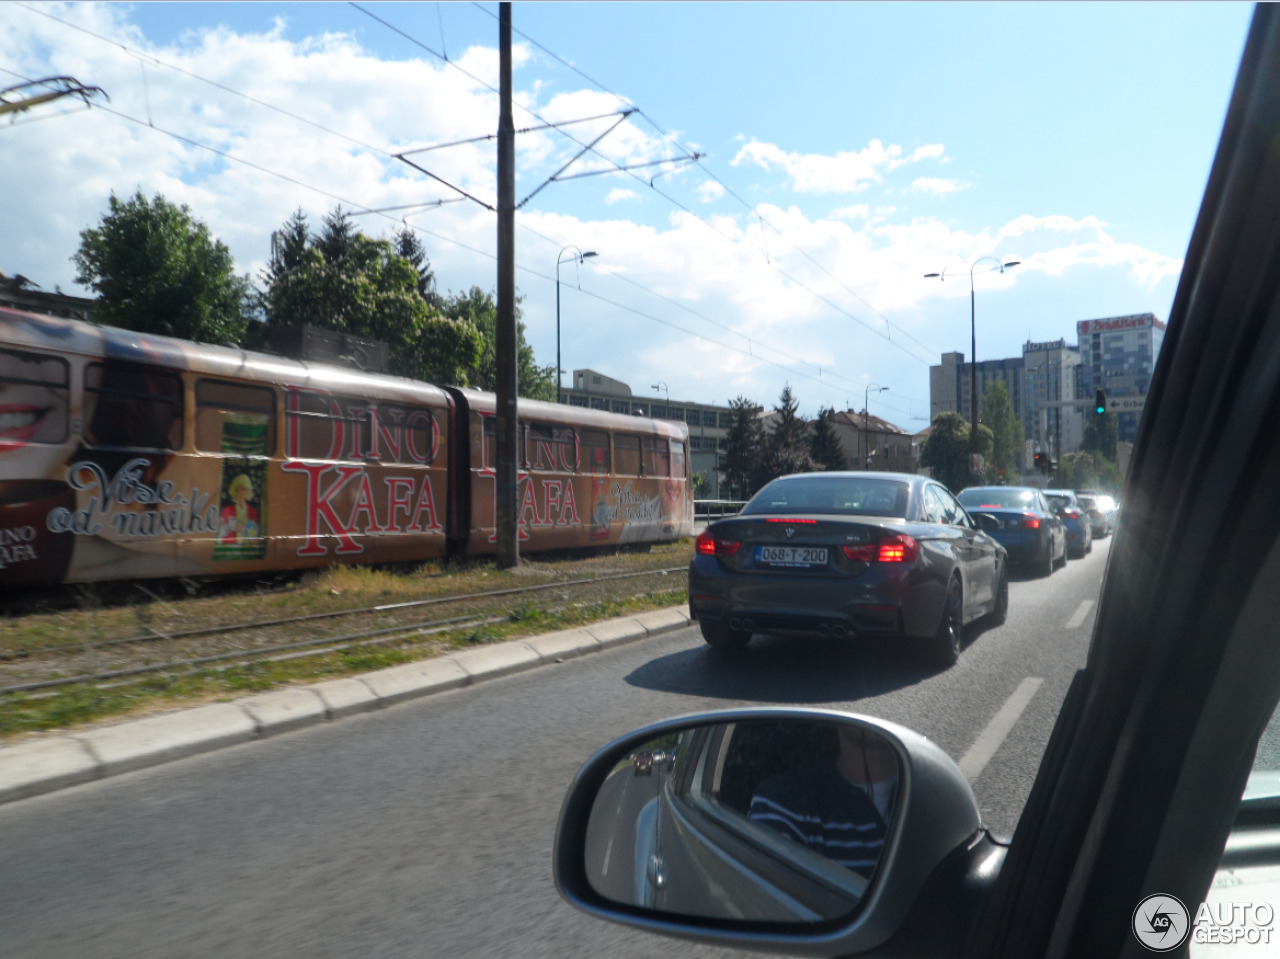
(1051, 373)
(1118, 355)
(950, 388)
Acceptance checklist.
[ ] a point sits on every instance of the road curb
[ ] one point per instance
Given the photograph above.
(47, 765)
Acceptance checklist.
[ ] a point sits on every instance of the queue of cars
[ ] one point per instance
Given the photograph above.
(1153, 820)
(861, 554)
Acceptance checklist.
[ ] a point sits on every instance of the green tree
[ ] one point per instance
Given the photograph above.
(156, 269)
(996, 413)
(478, 308)
(406, 244)
(824, 444)
(787, 445)
(743, 446)
(344, 280)
(946, 450)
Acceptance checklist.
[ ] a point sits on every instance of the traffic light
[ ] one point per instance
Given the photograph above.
(1100, 402)
(1040, 461)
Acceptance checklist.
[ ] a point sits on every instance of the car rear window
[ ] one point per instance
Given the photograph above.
(972, 499)
(831, 495)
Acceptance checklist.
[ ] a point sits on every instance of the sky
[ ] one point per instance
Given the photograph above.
(842, 152)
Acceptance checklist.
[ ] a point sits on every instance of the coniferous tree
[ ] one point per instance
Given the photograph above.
(824, 444)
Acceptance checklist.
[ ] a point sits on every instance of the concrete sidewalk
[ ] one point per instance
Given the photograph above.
(44, 765)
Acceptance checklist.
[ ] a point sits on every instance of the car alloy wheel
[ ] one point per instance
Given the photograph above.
(1001, 611)
(944, 649)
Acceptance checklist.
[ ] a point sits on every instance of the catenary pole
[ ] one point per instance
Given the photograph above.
(508, 554)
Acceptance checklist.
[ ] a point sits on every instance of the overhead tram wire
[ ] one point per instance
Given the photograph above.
(747, 206)
(728, 329)
(195, 76)
(359, 207)
(665, 196)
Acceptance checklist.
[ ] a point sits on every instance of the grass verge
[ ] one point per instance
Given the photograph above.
(79, 705)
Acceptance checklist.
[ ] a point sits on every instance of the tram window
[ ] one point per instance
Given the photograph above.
(626, 455)
(657, 460)
(235, 418)
(550, 447)
(419, 445)
(490, 441)
(39, 382)
(677, 459)
(311, 432)
(595, 450)
(133, 406)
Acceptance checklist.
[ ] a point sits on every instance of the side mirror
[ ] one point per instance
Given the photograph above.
(796, 831)
(987, 522)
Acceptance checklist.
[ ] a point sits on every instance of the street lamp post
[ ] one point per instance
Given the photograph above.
(579, 256)
(974, 444)
(662, 385)
(866, 419)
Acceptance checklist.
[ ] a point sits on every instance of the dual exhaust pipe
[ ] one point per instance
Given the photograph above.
(745, 624)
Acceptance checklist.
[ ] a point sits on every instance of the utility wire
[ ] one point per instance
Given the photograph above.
(671, 139)
(669, 198)
(359, 207)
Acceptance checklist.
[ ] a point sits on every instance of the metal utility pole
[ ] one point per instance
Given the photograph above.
(505, 345)
(975, 442)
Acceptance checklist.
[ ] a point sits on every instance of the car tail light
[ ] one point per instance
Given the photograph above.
(1071, 513)
(898, 549)
(1031, 522)
(782, 519)
(708, 545)
(860, 554)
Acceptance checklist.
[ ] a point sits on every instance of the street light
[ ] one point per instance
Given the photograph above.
(866, 416)
(662, 385)
(579, 256)
(974, 445)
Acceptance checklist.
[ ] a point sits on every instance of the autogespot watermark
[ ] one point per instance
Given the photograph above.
(1162, 923)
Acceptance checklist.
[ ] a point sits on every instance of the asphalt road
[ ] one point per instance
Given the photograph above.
(426, 829)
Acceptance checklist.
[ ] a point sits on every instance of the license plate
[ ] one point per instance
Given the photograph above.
(797, 556)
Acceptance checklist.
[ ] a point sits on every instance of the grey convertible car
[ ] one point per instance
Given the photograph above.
(849, 555)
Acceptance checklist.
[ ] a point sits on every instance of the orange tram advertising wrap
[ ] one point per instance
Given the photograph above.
(127, 456)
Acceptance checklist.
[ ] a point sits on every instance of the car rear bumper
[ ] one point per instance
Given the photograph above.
(1025, 548)
(882, 601)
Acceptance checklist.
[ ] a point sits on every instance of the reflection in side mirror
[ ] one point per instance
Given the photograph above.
(776, 820)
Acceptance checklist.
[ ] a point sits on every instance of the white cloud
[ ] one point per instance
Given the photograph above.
(937, 186)
(933, 151)
(846, 172)
(788, 287)
(709, 191)
(859, 211)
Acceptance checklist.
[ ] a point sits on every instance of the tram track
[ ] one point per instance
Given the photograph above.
(68, 655)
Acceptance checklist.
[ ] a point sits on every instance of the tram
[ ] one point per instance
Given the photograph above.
(126, 456)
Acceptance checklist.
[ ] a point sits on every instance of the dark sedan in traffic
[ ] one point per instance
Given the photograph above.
(849, 555)
(1027, 525)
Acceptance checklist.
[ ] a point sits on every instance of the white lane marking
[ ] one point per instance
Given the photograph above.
(608, 850)
(980, 753)
(1079, 615)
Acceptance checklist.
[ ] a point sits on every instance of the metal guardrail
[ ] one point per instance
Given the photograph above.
(709, 509)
